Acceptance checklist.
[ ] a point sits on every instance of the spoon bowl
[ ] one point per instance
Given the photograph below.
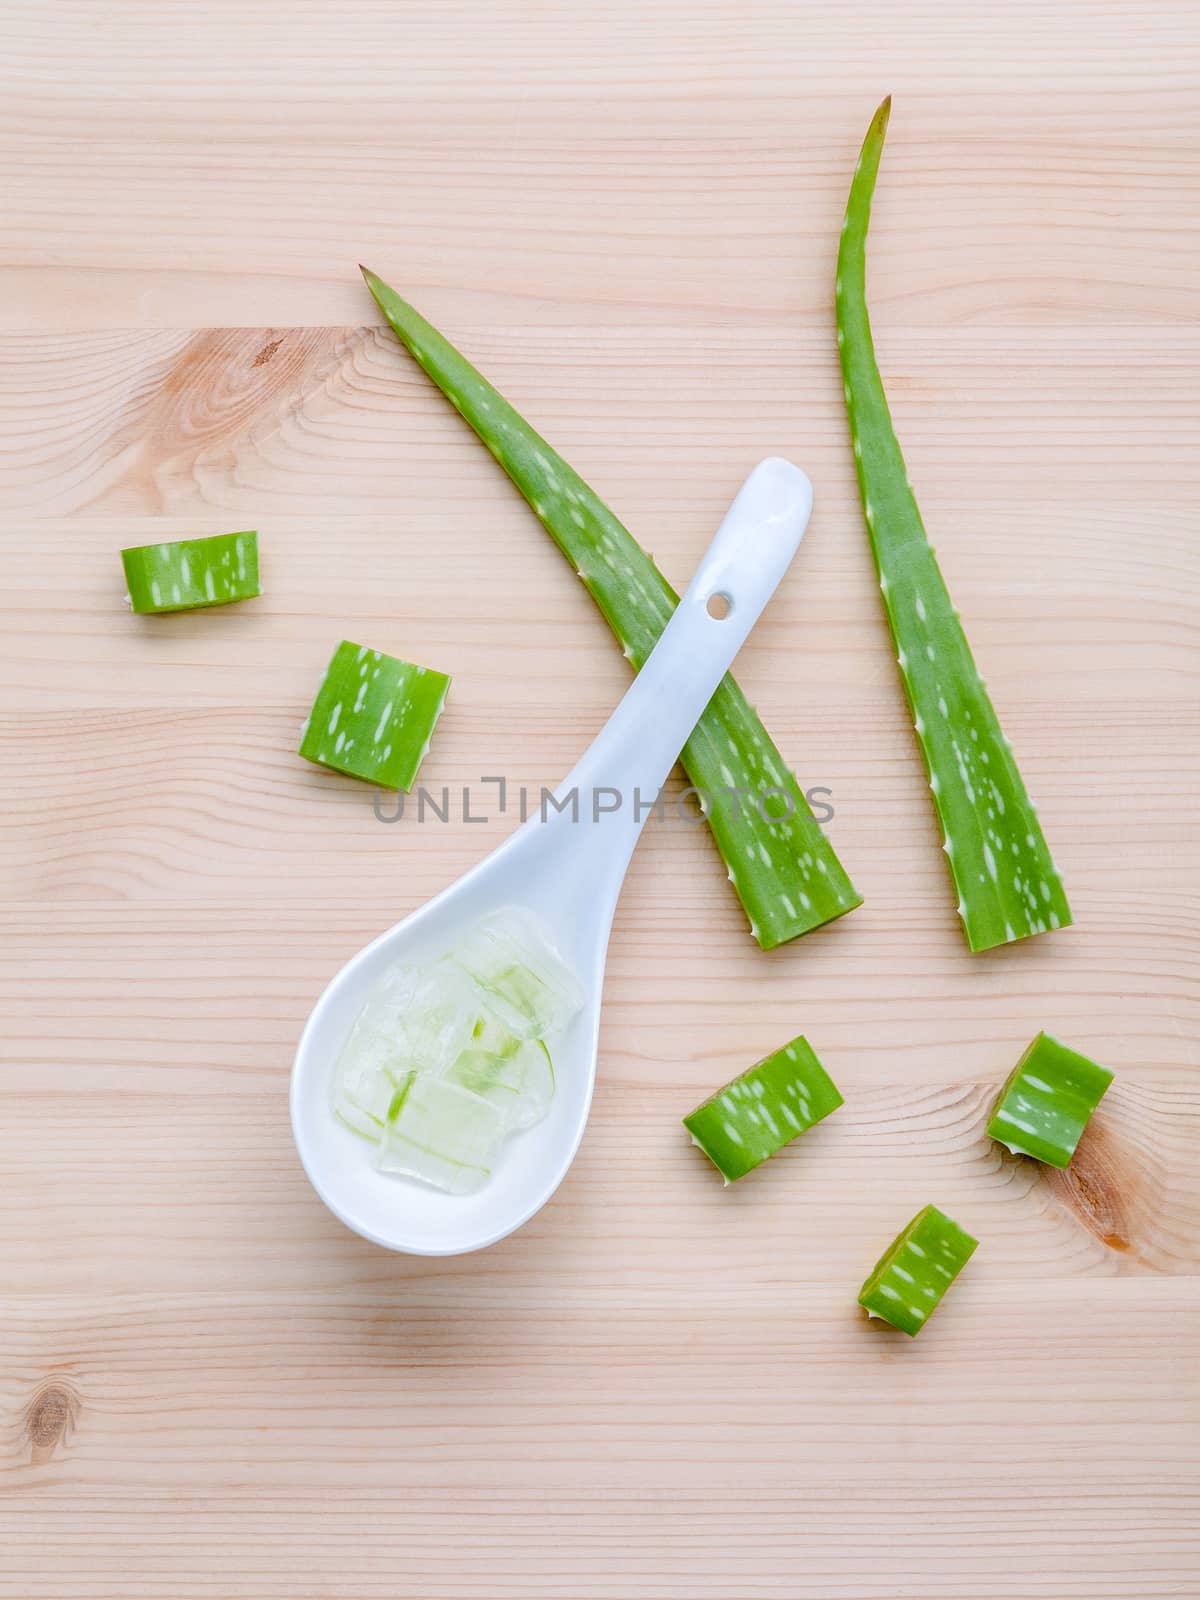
(566, 867)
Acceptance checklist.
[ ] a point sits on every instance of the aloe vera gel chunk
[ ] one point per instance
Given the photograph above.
(433, 1074)
(374, 716)
(441, 1134)
(527, 986)
(417, 1017)
(516, 1075)
(364, 1097)
(914, 1272)
(192, 572)
(748, 1120)
(1047, 1101)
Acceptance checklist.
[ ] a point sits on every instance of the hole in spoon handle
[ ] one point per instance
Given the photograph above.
(641, 741)
(754, 544)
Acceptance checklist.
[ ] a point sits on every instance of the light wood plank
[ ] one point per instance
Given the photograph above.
(517, 1442)
(627, 215)
(621, 157)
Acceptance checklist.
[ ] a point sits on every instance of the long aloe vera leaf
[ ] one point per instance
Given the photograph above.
(1008, 886)
(781, 865)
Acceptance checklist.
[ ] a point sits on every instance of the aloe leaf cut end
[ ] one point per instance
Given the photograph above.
(768, 1106)
(781, 865)
(1047, 1101)
(908, 1281)
(191, 574)
(1008, 885)
(374, 716)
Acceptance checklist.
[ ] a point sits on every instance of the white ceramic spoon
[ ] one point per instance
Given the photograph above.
(569, 872)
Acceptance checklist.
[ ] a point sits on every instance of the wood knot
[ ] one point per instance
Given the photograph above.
(51, 1416)
(1092, 1188)
(267, 351)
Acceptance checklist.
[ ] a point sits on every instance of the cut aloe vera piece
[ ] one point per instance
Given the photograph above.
(525, 982)
(192, 572)
(516, 1075)
(750, 1119)
(1047, 1101)
(781, 865)
(362, 1097)
(916, 1269)
(416, 1017)
(374, 716)
(1008, 886)
(440, 1133)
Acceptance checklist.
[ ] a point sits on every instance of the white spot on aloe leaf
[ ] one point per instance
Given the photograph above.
(384, 715)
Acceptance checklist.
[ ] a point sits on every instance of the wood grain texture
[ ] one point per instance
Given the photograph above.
(627, 215)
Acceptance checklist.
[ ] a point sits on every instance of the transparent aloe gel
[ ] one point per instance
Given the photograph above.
(446, 1060)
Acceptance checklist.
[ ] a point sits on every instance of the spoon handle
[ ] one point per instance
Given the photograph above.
(630, 759)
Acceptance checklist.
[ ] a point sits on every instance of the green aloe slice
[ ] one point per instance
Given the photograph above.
(1008, 886)
(191, 573)
(914, 1272)
(373, 716)
(781, 865)
(1047, 1101)
(768, 1106)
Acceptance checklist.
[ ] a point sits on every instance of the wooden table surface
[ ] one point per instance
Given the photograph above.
(627, 214)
